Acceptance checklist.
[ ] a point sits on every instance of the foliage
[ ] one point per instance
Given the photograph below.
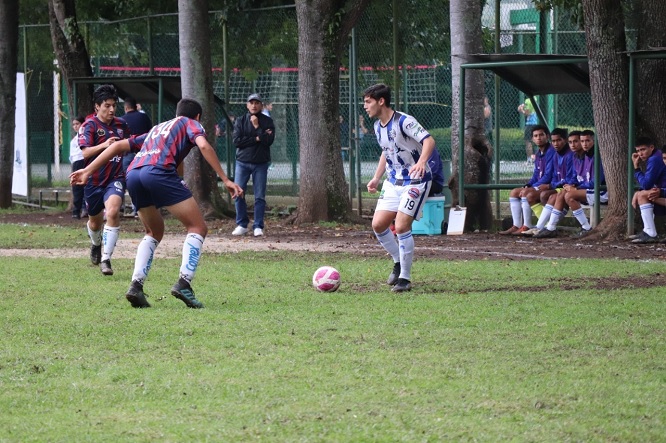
(511, 353)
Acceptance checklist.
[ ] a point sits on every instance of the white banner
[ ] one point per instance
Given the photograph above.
(20, 178)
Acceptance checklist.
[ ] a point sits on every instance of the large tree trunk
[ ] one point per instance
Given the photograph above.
(8, 64)
(605, 37)
(466, 38)
(71, 53)
(323, 30)
(197, 84)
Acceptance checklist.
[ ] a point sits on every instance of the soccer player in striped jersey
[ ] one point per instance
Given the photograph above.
(406, 149)
(105, 190)
(153, 183)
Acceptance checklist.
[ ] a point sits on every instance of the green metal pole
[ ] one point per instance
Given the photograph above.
(396, 77)
(151, 64)
(461, 139)
(496, 139)
(630, 163)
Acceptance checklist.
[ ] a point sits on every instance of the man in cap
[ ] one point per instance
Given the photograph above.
(253, 136)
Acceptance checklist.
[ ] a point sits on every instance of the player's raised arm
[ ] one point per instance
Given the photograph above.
(117, 148)
(211, 157)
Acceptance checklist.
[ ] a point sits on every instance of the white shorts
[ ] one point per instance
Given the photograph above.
(408, 199)
(603, 197)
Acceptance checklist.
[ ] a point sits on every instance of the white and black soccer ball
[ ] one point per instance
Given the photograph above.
(326, 279)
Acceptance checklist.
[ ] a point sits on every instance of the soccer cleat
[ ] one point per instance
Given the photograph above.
(136, 296)
(95, 254)
(644, 237)
(531, 232)
(183, 291)
(105, 267)
(633, 236)
(402, 285)
(509, 231)
(545, 233)
(582, 233)
(258, 232)
(521, 230)
(395, 273)
(239, 231)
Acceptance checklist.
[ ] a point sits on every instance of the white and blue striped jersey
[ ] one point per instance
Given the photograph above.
(401, 142)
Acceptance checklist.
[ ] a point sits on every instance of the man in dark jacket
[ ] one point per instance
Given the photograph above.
(254, 133)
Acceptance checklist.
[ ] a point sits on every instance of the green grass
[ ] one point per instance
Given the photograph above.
(478, 351)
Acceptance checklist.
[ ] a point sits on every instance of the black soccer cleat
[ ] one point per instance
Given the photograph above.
(403, 285)
(395, 273)
(183, 291)
(136, 296)
(95, 254)
(105, 267)
(545, 233)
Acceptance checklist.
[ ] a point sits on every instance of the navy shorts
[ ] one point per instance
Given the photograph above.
(151, 186)
(96, 196)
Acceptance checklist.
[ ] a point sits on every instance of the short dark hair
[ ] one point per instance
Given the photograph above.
(562, 132)
(574, 133)
(380, 90)
(644, 141)
(79, 118)
(588, 132)
(104, 93)
(187, 107)
(130, 102)
(543, 128)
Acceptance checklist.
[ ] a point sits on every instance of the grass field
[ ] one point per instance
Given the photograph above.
(479, 351)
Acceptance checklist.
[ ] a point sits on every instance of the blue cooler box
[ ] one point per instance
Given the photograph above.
(433, 216)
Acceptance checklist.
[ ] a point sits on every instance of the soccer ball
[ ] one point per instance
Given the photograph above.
(326, 279)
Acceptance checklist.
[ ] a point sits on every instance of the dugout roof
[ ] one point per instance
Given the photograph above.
(538, 74)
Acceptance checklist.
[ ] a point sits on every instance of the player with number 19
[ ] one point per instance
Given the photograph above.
(406, 148)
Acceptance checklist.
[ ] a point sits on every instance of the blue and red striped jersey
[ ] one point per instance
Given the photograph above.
(167, 144)
(94, 132)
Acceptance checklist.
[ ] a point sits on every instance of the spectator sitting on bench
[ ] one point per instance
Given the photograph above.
(650, 173)
(523, 200)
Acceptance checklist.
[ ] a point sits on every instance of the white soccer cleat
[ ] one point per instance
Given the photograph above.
(258, 232)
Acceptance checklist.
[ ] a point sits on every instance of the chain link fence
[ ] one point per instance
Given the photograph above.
(415, 62)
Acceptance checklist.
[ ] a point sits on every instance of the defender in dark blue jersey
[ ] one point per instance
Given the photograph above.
(105, 189)
(153, 182)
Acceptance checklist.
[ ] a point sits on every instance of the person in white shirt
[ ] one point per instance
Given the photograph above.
(76, 159)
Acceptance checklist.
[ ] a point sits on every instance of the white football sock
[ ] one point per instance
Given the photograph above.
(95, 236)
(582, 219)
(191, 255)
(544, 217)
(406, 242)
(554, 219)
(527, 212)
(144, 258)
(109, 239)
(647, 214)
(516, 211)
(387, 240)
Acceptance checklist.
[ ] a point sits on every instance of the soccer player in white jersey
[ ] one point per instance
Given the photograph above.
(406, 148)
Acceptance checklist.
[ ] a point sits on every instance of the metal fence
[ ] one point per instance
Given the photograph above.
(267, 63)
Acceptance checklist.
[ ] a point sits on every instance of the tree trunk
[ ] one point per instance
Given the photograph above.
(8, 64)
(466, 38)
(605, 38)
(71, 53)
(323, 30)
(197, 84)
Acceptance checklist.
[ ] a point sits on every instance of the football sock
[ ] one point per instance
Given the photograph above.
(387, 240)
(95, 236)
(544, 217)
(191, 255)
(516, 211)
(109, 239)
(406, 242)
(144, 258)
(647, 214)
(527, 212)
(554, 219)
(582, 219)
